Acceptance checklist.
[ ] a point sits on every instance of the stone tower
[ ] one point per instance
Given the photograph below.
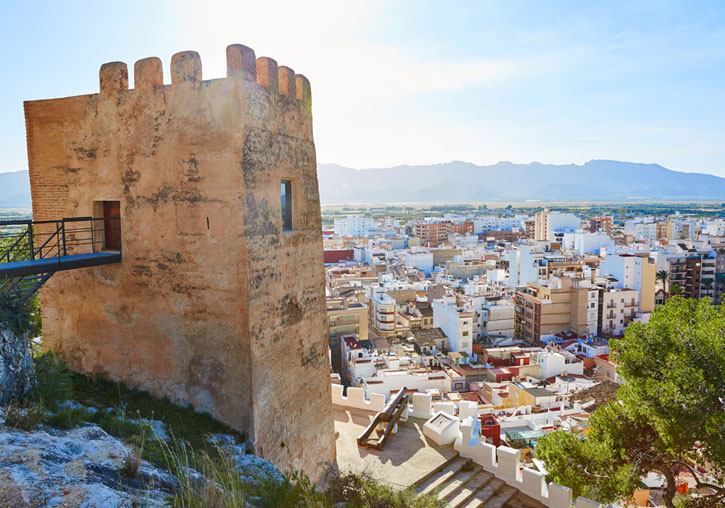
(219, 299)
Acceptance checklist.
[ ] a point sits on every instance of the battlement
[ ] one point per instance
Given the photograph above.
(186, 67)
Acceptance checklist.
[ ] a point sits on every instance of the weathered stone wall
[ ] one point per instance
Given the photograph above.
(213, 304)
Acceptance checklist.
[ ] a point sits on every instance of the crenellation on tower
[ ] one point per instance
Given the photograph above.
(113, 77)
(185, 67)
(267, 73)
(148, 73)
(241, 61)
(304, 91)
(286, 79)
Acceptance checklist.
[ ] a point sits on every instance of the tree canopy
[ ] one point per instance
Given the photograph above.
(670, 410)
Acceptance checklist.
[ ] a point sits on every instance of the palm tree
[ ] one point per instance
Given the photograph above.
(675, 290)
(707, 284)
(663, 275)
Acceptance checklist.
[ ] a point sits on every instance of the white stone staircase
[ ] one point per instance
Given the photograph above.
(464, 484)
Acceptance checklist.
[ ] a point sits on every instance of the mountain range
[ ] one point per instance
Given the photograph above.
(15, 190)
(456, 181)
(596, 180)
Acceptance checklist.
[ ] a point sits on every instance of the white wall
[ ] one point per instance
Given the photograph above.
(559, 222)
(422, 261)
(447, 319)
(395, 380)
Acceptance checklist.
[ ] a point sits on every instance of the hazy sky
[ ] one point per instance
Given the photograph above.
(411, 82)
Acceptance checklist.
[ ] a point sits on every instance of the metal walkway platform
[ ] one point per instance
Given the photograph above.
(32, 251)
(46, 265)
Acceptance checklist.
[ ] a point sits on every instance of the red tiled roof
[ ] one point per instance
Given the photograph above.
(352, 343)
(472, 397)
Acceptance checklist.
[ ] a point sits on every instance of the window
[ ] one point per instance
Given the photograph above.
(286, 196)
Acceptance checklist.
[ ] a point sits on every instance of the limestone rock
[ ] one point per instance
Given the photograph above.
(17, 373)
(80, 468)
(76, 468)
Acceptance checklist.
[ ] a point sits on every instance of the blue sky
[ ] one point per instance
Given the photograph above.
(416, 82)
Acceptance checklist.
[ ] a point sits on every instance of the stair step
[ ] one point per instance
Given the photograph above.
(458, 482)
(482, 496)
(29, 285)
(437, 480)
(426, 477)
(470, 489)
(501, 497)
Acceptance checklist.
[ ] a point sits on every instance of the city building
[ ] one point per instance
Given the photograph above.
(456, 322)
(633, 271)
(551, 226)
(347, 318)
(554, 306)
(601, 224)
(353, 225)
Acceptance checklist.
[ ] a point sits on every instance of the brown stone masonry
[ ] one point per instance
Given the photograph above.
(214, 304)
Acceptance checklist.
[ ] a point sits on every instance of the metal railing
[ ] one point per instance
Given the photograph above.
(26, 240)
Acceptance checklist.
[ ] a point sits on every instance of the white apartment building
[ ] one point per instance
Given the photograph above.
(588, 243)
(714, 227)
(642, 231)
(353, 225)
(419, 259)
(382, 310)
(632, 272)
(498, 319)
(456, 323)
(553, 363)
(484, 223)
(619, 307)
(551, 226)
(525, 265)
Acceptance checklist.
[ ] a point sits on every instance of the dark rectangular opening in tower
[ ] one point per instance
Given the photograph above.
(287, 205)
(112, 224)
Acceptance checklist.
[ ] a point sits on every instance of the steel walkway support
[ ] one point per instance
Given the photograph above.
(32, 251)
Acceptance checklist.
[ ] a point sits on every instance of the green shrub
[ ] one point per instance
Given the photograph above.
(295, 490)
(26, 417)
(220, 485)
(21, 317)
(131, 463)
(68, 418)
(361, 491)
(54, 379)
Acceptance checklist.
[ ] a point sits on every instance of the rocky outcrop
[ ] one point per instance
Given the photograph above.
(17, 374)
(82, 468)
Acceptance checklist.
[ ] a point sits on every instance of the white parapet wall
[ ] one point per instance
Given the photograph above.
(422, 406)
(505, 463)
(356, 398)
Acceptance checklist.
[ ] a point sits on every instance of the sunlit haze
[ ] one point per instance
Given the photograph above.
(419, 82)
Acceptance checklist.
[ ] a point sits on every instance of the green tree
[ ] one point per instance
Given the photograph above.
(671, 409)
(662, 276)
(675, 290)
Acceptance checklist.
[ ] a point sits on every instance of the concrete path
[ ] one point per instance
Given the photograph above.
(407, 456)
